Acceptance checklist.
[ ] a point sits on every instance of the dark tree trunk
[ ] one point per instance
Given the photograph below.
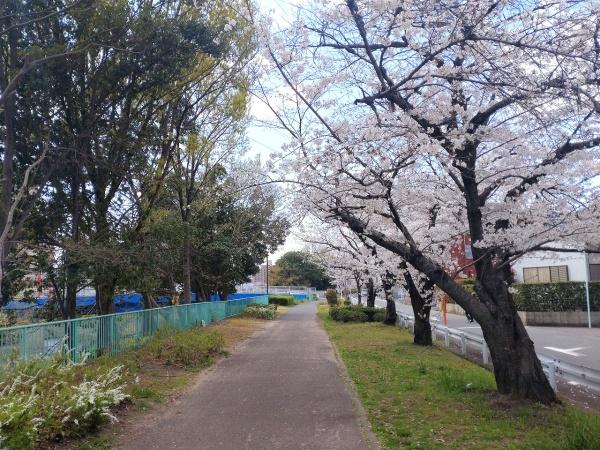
(70, 309)
(421, 309)
(105, 292)
(148, 300)
(187, 270)
(72, 269)
(517, 368)
(370, 293)
(357, 280)
(7, 66)
(390, 305)
(390, 312)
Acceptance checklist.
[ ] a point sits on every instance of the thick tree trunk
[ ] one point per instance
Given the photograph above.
(70, 309)
(357, 280)
(370, 293)
(516, 366)
(390, 305)
(72, 268)
(390, 312)
(421, 307)
(517, 369)
(7, 66)
(105, 292)
(148, 300)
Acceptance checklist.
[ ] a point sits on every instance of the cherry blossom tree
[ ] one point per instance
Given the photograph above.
(414, 123)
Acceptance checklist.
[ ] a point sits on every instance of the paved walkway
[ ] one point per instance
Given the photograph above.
(283, 390)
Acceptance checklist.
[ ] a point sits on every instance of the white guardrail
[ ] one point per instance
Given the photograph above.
(554, 368)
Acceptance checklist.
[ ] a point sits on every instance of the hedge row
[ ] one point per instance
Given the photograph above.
(569, 296)
(281, 300)
(357, 313)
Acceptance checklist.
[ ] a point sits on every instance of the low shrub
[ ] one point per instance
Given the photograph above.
(378, 316)
(331, 297)
(281, 300)
(357, 313)
(45, 400)
(347, 302)
(187, 348)
(568, 296)
(342, 314)
(259, 311)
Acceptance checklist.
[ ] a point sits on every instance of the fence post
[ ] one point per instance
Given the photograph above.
(447, 337)
(552, 374)
(463, 343)
(485, 353)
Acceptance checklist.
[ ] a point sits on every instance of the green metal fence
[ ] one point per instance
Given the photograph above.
(110, 334)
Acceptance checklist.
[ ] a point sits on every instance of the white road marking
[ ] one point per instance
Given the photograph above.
(464, 328)
(568, 351)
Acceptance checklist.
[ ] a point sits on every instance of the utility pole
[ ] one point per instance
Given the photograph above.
(267, 274)
(587, 287)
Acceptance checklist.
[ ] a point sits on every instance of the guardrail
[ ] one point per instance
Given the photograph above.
(260, 288)
(554, 368)
(110, 334)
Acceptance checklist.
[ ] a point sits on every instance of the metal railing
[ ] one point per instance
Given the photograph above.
(258, 287)
(462, 342)
(110, 334)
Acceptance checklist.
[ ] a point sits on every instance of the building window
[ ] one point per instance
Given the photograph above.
(594, 272)
(468, 251)
(549, 274)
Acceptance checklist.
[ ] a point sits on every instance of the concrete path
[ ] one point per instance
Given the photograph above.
(283, 390)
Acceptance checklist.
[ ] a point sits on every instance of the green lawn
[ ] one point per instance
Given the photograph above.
(429, 398)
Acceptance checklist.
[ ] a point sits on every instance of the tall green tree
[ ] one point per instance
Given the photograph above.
(297, 269)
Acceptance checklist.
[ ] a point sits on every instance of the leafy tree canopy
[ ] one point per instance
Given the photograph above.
(296, 268)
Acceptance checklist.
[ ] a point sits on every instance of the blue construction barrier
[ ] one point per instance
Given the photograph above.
(130, 302)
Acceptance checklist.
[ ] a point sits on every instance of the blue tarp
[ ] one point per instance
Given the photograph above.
(15, 305)
(129, 302)
(123, 302)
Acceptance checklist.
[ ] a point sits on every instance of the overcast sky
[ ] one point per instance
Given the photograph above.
(264, 141)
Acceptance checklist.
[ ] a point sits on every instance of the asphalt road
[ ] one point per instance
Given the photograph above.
(579, 346)
(283, 390)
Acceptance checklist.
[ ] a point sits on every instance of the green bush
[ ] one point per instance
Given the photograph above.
(187, 348)
(342, 314)
(379, 316)
(259, 311)
(331, 297)
(45, 400)
(282, 300)
(357, 313)
(347, 302)
(569, 296)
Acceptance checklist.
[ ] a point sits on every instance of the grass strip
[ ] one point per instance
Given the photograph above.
(419, 397)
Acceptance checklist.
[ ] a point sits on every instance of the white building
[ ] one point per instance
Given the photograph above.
(554, 267)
